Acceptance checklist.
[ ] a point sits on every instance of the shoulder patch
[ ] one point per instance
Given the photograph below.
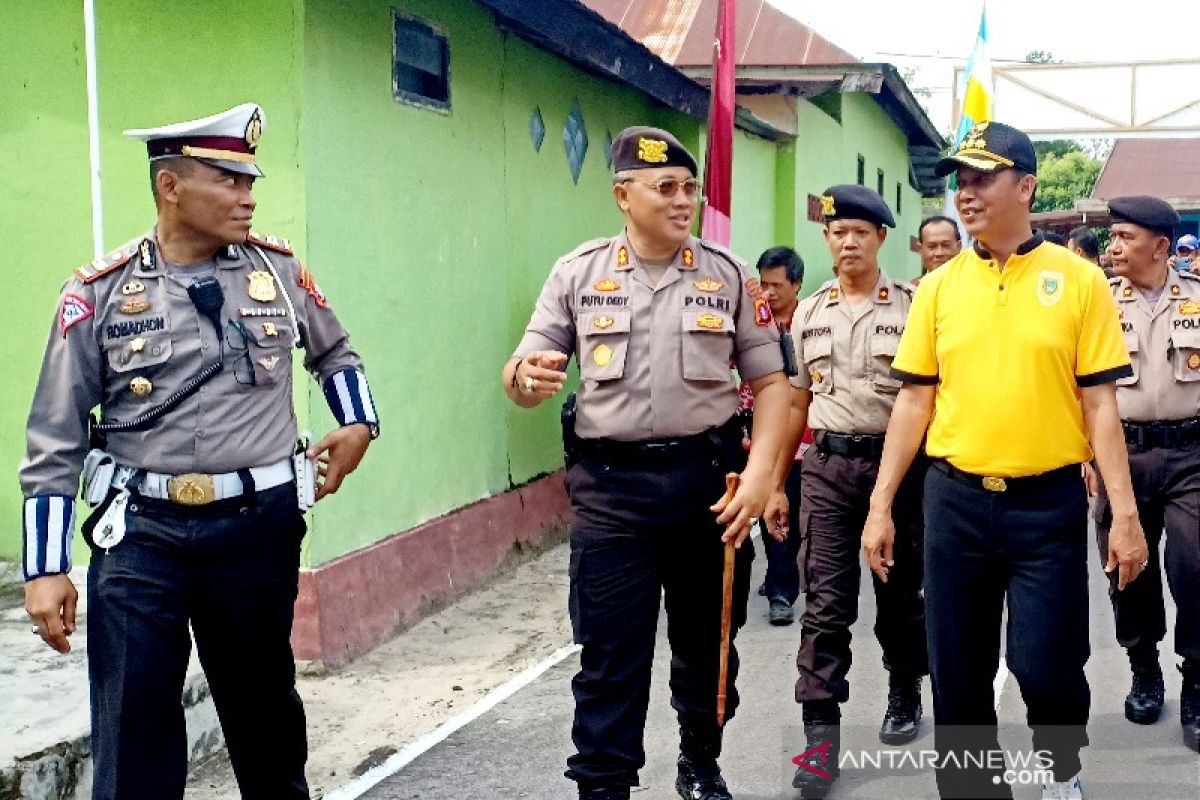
(1188, 276)
(276, 243)
(97, 269)
(585, 248)
(906, 287)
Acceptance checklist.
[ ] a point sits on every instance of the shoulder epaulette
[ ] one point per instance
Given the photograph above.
(724, 252)
(1189, 276)
(276, 243)
(906, 287)
(585, 248)
(112, 262)
(826, 286)
(1114, 280)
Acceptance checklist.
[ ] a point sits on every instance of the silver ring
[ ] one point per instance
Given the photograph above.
(528, 384)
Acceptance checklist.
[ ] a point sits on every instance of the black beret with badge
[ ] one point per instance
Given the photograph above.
(643, 147)
(1151, 213)
(988, 147)
(851, 201)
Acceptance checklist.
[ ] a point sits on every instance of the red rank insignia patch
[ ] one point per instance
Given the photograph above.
(74, 309)
(883, 294)
(833, 294)
(622, 256)
(308, 283)
(762, 313)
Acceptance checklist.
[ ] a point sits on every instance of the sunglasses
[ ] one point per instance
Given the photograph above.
(668, 187)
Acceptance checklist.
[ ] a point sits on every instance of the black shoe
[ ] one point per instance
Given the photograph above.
(818, 769)
(603, 793)
(1189, 703)
(780, 612)
(1144, 702)
(700, 781)
(902, 721)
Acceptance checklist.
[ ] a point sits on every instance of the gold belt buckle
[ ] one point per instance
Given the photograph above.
(192, 489)
(995, 484)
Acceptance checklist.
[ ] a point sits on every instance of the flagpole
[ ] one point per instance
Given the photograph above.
(715, 218)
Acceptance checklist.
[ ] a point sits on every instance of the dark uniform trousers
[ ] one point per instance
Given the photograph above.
(835, 497)
(1027, 545)
(782, 581)
(230, 569)
(1166, 484)
(642, 528)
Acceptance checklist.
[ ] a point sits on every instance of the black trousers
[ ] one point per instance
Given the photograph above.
(836, 497)
(1026, 547)
(641, 531)
(783, 568)
(229, 569)
(1166, 483)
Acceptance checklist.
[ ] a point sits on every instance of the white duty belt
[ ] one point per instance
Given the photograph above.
(198, 489)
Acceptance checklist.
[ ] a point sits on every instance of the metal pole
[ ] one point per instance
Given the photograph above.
(93, 101)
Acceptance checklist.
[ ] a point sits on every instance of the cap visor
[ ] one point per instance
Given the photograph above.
(234, 166)
(949, 164)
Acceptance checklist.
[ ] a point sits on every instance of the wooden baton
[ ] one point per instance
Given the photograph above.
(731, 485)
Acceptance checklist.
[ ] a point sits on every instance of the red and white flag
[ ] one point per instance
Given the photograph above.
(718, 161)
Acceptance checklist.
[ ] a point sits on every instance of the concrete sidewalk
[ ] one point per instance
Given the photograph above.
(44, 735)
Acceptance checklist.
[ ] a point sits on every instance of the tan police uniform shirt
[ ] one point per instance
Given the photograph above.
(1164, 345)
(654, 358)
(122, 319)
(845, 354)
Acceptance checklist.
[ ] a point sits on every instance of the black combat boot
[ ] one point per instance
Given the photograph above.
(603, 792)
(699, 776)
(1144, 702)
(1189, 703)
(818, 768)
(903, 718)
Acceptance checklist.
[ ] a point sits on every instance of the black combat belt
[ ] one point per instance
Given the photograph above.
(723, 438)
(1167, 433)
(1031, 483)
(854, 445)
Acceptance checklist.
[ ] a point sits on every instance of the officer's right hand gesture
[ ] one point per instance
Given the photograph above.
(537, 377)
(879, 534)
(50, 601)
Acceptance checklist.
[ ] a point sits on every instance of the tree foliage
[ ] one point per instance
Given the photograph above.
(1063, 179)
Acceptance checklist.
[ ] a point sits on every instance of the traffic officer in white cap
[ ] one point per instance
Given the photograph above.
(184, 339)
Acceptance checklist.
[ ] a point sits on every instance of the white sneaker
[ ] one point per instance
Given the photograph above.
(1068, 790)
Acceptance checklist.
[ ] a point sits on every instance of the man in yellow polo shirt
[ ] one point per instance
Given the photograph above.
(1012, 349)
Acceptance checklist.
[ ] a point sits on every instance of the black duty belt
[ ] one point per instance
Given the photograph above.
(713, 440)
(1168, 433)
(1039, 482)
(855, 445)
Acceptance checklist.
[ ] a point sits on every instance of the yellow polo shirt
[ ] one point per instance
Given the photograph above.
(1008, 350)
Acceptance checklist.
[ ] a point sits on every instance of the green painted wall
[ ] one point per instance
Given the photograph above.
(827, 153)
(433, 232)
(148, 75)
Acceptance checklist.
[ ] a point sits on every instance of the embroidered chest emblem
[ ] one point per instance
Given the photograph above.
(1049, 287)
(262, 286)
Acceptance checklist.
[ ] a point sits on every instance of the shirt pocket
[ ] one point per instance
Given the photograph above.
(817, 353)
(883, 352)
(270, 348)
(603, 344)
(1187, 355)
(1131, 344)
(151, 352)
(707, 345)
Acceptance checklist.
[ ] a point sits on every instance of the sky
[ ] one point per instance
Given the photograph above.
(935, 36)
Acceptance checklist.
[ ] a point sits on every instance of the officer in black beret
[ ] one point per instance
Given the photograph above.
(654, 317)
(845, 335)
(1160, 411)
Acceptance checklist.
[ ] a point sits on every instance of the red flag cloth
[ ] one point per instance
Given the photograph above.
(718, 162)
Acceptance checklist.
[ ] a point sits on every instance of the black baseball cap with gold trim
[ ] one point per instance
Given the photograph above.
(988, 147)
(643, 147)
(226, 140)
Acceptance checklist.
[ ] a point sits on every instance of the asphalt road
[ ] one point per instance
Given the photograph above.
(519, 748)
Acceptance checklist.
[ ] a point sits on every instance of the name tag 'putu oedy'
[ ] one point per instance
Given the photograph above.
(110, 530)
